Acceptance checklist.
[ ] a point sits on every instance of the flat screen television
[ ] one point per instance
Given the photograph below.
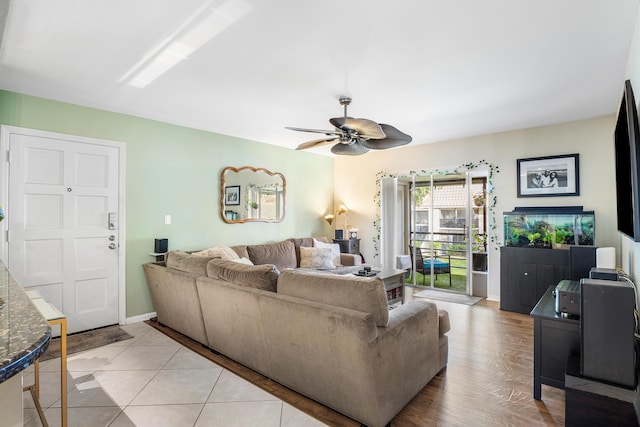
(627, 155)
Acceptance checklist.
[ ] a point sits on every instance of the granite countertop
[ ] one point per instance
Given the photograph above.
(24, 332)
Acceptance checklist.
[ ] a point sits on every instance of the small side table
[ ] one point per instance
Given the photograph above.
(160, 256)
(54, 317)
(348, 246)
(393, 280)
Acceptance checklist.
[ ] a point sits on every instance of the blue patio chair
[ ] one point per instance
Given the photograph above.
(441, 265)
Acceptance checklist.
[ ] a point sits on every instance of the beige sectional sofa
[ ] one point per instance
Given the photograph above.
(328, 336)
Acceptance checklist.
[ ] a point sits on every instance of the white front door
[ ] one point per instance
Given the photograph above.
(63, 225)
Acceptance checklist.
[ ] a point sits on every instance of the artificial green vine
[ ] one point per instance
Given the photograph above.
(493, 200)
(376, 221)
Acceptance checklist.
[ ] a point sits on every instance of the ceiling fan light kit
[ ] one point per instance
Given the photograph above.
(354, 137)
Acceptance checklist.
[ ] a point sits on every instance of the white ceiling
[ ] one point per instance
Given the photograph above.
(436, 70)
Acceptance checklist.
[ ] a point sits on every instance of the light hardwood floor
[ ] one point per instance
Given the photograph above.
(488, 381)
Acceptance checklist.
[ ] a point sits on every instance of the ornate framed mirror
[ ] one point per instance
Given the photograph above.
(249, 194)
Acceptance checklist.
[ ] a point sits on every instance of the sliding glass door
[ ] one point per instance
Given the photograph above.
(447, 226)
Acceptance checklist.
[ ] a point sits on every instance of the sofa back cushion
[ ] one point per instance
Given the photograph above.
(255, 276)
(364, 294)
(179, 260)
(281, 254)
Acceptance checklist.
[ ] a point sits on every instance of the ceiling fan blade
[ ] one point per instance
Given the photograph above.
(366, 128)
(395, 138)
(315, 143)
(354, 149)
(326, 132)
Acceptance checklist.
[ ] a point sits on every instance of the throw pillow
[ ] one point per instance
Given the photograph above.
(263, 277)
(307, 242)
(220, 251)
(333, 246)
(317, 258)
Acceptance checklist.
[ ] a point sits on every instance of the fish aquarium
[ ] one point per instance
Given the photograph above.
(549, 227)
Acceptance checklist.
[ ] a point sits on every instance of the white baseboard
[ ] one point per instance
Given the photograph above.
(140, 318)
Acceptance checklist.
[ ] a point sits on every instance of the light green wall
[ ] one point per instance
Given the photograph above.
(176, 170)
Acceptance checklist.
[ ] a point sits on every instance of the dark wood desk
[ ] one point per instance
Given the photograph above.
(555, 338)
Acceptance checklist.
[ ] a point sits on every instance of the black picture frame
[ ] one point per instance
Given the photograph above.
(232, 195)
(550, 176)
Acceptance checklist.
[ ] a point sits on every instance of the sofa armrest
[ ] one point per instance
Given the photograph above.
(419, 316)
(348, 260)
(175, 300)
(410, 345)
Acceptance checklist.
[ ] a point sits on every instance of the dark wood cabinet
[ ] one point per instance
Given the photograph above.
(526, 273)
(348, 246)
(555, 339)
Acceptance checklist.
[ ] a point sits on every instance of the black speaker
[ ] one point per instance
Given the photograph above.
(583, 258)
(161, 246)
(607, 332)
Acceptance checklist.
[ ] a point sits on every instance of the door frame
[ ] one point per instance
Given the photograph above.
(5, 133)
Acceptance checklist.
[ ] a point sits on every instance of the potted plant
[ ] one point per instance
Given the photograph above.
(479, 199)
(479, 255)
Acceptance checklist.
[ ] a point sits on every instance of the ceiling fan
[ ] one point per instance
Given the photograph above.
(355, 136)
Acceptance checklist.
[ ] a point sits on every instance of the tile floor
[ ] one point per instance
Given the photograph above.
(151, 380)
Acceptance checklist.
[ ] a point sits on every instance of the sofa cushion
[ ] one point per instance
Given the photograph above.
(319, 258)
(179, 260)
(281, 254)
(364, 294)
(220, 251)
(263, 277)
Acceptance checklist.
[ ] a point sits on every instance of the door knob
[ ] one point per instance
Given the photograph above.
(112, 246)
